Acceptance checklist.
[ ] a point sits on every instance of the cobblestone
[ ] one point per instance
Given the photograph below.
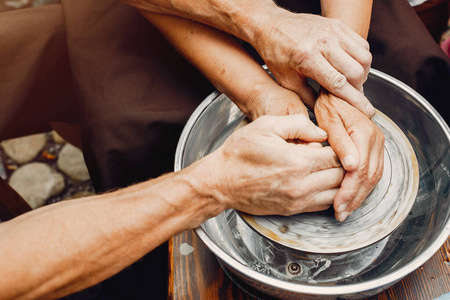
(55, 172)
(24, 149)
(71, 162)
(37, 182)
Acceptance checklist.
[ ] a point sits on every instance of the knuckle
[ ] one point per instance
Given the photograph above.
(366, 59)
(357, 74)
(301, 55)
(337, 81)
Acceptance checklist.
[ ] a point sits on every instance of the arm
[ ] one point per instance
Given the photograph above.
(355, 14)
(357, 141)
(240, 18)
(293, 46)
(65, 247)
(228, 67)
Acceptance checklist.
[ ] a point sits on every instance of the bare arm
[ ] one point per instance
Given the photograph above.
(357, 141)
(293, 46)
(228, 66)
(240, 18)
(65, 247)
(356, 15)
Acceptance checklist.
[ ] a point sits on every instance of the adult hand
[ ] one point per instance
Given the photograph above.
(258, 172)
(272, 100)
(300, 46)
(359, 144)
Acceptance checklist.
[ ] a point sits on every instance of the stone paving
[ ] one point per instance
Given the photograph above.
(44, 168)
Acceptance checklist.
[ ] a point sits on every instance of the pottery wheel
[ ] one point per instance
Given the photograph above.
(382, 211)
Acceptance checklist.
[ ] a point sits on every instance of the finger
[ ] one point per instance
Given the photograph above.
(356, 186)
(319, 201)
(325, 179)
(351, 195)
(343, 145)
(353, 37)
(296, 127)
(348, 66)
(317, 208)
(335, 82)
(323, 199)
(362, 56)
(320, 158)
(346, 200)
(314, 145)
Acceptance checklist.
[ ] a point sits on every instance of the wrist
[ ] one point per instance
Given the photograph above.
(250, 23)
(203, 183)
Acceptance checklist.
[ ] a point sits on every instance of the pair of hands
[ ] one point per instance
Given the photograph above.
(298, 46)
(267, 175)
(337, 58)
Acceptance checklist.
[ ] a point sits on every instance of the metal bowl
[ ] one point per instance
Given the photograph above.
(289, 273)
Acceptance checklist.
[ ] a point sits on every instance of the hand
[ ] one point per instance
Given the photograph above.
(258, 172)
(298, 46)
(359, 144)
(272, 100)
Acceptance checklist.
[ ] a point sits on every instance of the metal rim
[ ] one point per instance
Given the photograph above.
(322, 290)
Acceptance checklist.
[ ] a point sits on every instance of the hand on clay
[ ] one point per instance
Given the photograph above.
(258, 172)
(300, 46)
(359, 144)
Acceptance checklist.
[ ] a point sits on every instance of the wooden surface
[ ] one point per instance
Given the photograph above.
(198, 275)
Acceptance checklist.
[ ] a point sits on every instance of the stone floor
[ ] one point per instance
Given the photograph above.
(43, 169)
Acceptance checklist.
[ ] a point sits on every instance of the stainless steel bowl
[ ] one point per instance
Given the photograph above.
(287, 273)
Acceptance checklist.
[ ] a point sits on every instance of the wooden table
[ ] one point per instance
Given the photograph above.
(198, 275)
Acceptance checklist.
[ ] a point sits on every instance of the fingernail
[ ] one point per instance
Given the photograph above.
(349, 161)
(342, 208)
(370, 110)
(321, 131)
(344, 215)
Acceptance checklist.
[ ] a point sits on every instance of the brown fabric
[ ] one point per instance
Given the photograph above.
(403, 48)
(35, 81)
(135, 91)
(434, 14)
(99, 64)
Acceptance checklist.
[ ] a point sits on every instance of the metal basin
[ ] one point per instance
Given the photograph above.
(289, 273)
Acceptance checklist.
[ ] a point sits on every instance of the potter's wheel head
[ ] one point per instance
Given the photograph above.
(382, 212)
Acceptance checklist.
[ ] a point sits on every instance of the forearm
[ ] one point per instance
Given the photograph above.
(354, 13)
(221, 59)
(240, 18)
(65, 247)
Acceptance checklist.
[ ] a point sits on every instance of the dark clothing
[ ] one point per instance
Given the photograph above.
(101, 65)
